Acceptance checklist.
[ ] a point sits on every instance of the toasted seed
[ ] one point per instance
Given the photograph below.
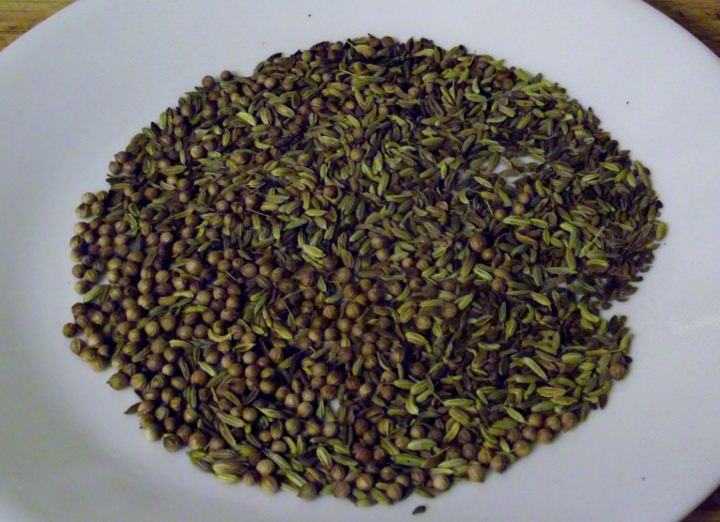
(369, 268)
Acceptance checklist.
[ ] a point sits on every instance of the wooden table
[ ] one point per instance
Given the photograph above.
(701, 17)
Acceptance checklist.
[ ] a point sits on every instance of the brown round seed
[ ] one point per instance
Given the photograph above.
(618, 371)
(440, 482)
(423, 322)
(265, 467)
(521, 448)
(568, 420)
(171, 442)
(553, 423)
(308, 491)
(476, 472)
(498, 463)
(269, 484)
(545, 436)
(341, 489)
(304, 234)
(477, 243)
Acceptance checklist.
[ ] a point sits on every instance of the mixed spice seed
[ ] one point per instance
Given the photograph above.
(369, 269)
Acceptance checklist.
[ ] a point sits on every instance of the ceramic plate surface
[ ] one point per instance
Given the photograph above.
(75, 89)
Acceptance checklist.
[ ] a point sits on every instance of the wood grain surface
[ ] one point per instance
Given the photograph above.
(700, 17)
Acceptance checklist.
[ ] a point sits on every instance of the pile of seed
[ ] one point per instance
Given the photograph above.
(368, 269)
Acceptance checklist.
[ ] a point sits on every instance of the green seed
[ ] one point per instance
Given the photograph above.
(366, 270)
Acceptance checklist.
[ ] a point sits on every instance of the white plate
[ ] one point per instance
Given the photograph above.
(74, 90)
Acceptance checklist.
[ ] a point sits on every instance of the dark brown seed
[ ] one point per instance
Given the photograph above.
(269, 484)
(308, 491)
(448, 310)
(521, 448)
(349, 223)
(477, 243)
(476, 472)
(341, 489)
(498, 463)
(171, 442)
(440, 482)
(618, 371)
(536, 420)
(364, 482)
(553, 423)
(70, 330)
(568, 420)
(544, 436)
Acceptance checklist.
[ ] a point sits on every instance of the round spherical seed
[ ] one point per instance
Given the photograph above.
(325, 273)
(341, 489)
(498, 463)
(440, 482)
